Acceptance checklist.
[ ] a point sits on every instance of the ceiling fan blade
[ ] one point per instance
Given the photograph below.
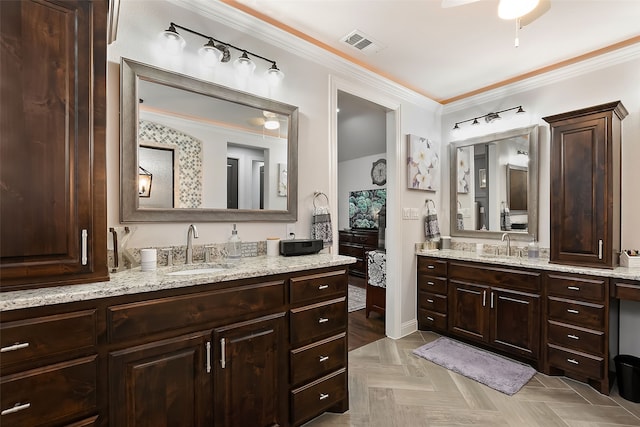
(454, 3)
(536, 13)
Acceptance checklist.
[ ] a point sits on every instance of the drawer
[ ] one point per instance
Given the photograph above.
(433, 302)
(432, 284)
(58, 337)
(432, 320)
(365, 239)
(576, 338)
(351, 250)
(509, 278)
(54, 393)
(318, 286)
(575, 361)
(128, 321)
(580, 288)
(344, 236)
(578, 313)
(311, 322)
(626, 290)
(431, 267)
(318, 359)
(314, 398)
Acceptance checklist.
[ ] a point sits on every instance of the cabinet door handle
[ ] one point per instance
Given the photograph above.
(322, 287)
(208, 348)
(430, 301)
(600, 249)
(324, 358)
(430, 319)
(223, 353)
(324, 396)
(85, 236)
(430, 283)
(484, 298)
(572, 311)
(491, 299)
(575, 337)
(323, 320)
(431, 267)
(573, 288)
(17, 408)
(14, 347)
(574, 361)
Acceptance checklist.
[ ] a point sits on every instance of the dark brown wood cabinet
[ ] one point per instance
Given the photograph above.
(432, 294)
(357, 243)
(585, 181)
(52, 154)
(576, 328)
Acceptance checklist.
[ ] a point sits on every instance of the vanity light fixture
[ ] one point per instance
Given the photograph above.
(215, 51)
(489, 117)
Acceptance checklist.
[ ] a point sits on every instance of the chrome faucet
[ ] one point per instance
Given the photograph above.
(508, 242)
(191, 233)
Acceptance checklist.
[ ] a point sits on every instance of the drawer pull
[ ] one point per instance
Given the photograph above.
(208, 349)
(431, 267)
(324, 396)
(324, 358)
(572, 311)
(573, 288)
(17, 408)
(322, 287)
(430, 319)
(574, 361)
(574, 337)
(16, 346)
(223, 353)
(323, 320)
(430, 283)
(430, 301)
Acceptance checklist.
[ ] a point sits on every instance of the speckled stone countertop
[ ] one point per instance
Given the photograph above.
(539, 263)
(136, 281)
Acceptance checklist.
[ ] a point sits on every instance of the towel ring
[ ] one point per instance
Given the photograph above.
(432, 202)
(459, 205)
(318, 194)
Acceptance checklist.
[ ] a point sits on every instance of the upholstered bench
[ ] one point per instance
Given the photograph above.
(376, 281)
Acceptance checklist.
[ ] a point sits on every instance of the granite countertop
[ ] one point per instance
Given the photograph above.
(136, 281)
(632, 273)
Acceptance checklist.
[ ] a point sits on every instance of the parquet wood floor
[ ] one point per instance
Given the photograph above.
(390, 387)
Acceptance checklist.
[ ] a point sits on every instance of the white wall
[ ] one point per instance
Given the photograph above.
(575, 91)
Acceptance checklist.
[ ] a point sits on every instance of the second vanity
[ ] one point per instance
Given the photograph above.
(555, 317)
(259, 343)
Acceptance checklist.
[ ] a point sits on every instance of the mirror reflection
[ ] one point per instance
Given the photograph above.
(494, 184)
(208, 153)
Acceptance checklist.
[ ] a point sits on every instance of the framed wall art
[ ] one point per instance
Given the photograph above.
(423, 164)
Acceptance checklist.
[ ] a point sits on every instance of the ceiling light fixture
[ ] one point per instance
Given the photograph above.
(514, 9)
(489, 117)
(215, 51)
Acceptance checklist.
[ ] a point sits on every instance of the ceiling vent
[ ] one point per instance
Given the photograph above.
(362, 42)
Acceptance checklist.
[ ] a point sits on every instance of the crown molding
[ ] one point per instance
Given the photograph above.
(599, 62)
(238, 20)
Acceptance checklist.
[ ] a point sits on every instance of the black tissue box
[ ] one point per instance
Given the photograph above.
(293, 247)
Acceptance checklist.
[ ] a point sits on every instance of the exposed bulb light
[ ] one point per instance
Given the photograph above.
(173, 42)
(244, 65)
(210, 54)
(274, 75)
(489, 117)
(513, 9)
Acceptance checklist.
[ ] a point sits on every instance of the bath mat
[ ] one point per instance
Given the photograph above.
(497, 372)
(356, 298)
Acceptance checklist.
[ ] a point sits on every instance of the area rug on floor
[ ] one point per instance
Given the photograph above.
(356, 298)
(497, 372)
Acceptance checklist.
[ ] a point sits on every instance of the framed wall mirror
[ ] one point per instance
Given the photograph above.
(494, 185)
(203, 152)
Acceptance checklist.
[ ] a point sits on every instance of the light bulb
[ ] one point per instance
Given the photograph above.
(244, 65)
(512, 9)
(272, 124)
(172, 41)
(274, 75)
(210, 55)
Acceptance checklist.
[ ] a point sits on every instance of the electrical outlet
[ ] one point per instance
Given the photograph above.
(291, 231)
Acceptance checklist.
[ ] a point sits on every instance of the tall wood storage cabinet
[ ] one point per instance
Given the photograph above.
(52, 155)
(585, 185)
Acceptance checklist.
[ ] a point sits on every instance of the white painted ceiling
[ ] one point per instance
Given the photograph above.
(447, 52)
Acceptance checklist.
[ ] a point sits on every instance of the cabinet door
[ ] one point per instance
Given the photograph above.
(468, 310)
(250, 373)
(161, 384)
(515, 322)
(53, 214)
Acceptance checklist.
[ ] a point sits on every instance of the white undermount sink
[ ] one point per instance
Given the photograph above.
(192, 271)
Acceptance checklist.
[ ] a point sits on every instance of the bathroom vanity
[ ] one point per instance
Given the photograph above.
(261, 343)
(555, 317)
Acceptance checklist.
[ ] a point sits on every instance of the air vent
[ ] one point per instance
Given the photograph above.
(362, 42)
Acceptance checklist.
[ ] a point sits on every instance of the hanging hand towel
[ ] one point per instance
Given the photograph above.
(460, 221)
(321, 226)
(431, 227)
(505, 217)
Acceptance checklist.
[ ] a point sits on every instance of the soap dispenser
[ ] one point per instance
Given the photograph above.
(234, 246)
(533, 251)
